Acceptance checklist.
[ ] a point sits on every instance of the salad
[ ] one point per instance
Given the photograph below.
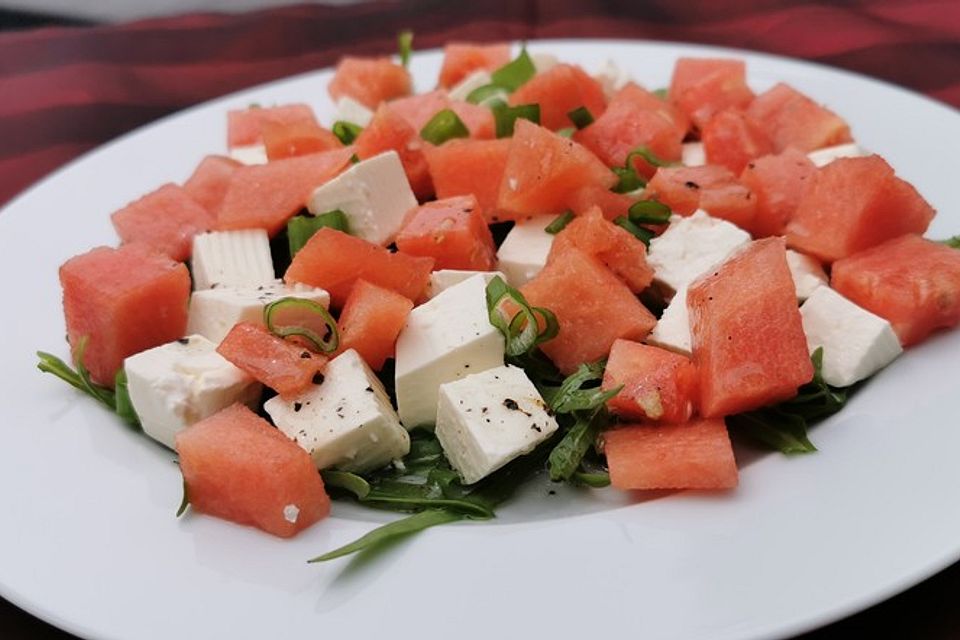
(528, 269)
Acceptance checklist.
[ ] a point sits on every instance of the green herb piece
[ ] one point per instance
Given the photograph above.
(444, 125)
(641, 233)
(662, 93)
(301, 228)
(629, 180)
(645, 153)
(184, 501)
(580, 117)
(649, 212)
(405, 46)
(515, 73)
(580, 391)
(521, 330)
(566, 132)
(953, 242)
(565, 458)
(559, 223)
(592, 479)
(346, 132)
(487, 95)
(322, 335)
(121, 399)
(506, 117)
(347, 481)
(403, 527)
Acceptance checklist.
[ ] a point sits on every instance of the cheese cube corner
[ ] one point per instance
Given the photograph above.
(525, 249)
(231, 259)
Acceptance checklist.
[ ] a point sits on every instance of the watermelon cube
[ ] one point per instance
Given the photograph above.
(460, 59)
(245, 126)
(390, 130)
(208, 183)
(731, 140)
(777, 182)
(465, 167)
(370, 322)
(288, 140)
(791, 119)
(559, 91)
(702, 87)
(369, 81)
(452, 231)
(165, 219)
(714, 189)
(657, 384)
(283, 366)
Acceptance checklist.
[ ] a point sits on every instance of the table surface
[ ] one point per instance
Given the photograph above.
(68, 89)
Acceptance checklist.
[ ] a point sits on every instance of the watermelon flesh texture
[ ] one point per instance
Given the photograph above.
(460, 59)
(658, 385)
(452, 231)
(209, 181)
(777, 181)
(371, 320)
(469, 167)
(369, 81)
(165, 219)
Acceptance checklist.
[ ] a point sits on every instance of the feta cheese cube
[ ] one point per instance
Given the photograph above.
(445, 339)
(525, 249)
(806, 272)
(672, 330)
(612, 78)
(349, 110)
(856, 343)
(250, 154)
(182, 382)
(231, 258)
(346, 421)
(465, 87)
(213, 312)
(488, 419)
(693, 154)
(446, 278)
(374, 194)
(690, 247)
(826, 155)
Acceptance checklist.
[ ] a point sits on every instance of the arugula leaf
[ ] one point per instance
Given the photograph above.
(566, 457)
(403, 527)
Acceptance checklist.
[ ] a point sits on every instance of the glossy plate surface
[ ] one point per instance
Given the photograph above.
(90, 542)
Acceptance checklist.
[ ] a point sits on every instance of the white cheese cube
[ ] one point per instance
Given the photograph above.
(231, 259)
(182, 382)
(612, 78)
(672, 330)
(374, 194)
(826, 155)
(445, 339)
(488, 419)
(250, 154)
(349, 110)
(691, 246)
(446, 278)
(806, 272)
(543, 62)
(525, 249)
(856, 343)
(346, 421)
(213, 312)
(465, 87)
(693, 154)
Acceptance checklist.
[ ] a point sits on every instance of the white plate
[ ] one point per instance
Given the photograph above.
(90, 542)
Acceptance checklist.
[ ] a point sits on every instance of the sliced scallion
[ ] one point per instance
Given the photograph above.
(347, 481)
(301, 228)
(649, 212)
(522, 329)
(629, 180)
(559, 223)
(405, 46)
(645, 153)
(487, 94)
(580, 117)
(444, 125)
(315, 324)
(641, 233)
(506, 117)
(566, 132)
(516, 72)
(345, 131)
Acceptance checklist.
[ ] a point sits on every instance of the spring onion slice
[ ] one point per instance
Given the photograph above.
(506, 117)
(301, 228)
(566, 132)
(516, 72)
(629, 180)
(345, 131)
(347, 481)
(662, 93)
(521, 331)
(559, 223)
(649, 212)
(592, 479)
(405, 46)
(324, 340)
(444, 125)
(580, 117)
(646, 154)
(642, 234)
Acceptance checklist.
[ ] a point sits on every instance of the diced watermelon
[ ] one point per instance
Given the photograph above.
(236, 466)
(544, 171)
(463, 167)
(617, 248)
(334, 261)
(713, 189)
(244, 126)
(289, 140)
(266, 196)
(369, 81)
(612, 205)
(777, 182)
(460, 59)
(731, 140)
(853, 204)
(452, 231)
(694, 455)
(370, 322)
(208, 183)
(165, 219)
(702, 87)
(389, 130)
(791, 119)
(657, 384)
(911, 282)
(122, 301)
(748, 339)
(559, 91)
(283, 366)
(479, 120)
(418, 109)
(592, 306)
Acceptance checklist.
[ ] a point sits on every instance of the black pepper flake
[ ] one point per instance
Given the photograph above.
(466, 366)
(297, 406)
(536, 427)
(305, 355)
(510, 403)
(183, 340)
(751, 165)
(690, 184)
(214, 285)
(552, 492)
(260, 288)
(318, 378)
(369, 389)
(483, 410)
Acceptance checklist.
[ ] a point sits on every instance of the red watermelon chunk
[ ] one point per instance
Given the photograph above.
(791, 119)
(693, 455)
(612, 205)
(470, 167)
(703, 87)
(559, 91)
(657, 384)
(452, 231)
(208, 183)
(460, 59)
(245, 126)
(853, 204)
(369, 81)
(544, 171)
(911, 282)
(777, 182)
(123, 301)
(592, 307)
(236, 466)
(283, 366)
(711, 188)
(418, 109)
(334, 261)
(731, 140)
(165, 219)
(748, 339)
(289, 140)
(371, 321)
(390, 130)
(266, 196)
